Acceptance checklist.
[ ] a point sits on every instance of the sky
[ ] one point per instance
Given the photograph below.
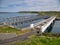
(29, 5)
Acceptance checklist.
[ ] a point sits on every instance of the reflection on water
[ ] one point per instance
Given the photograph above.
(56, 28)
(28, 23)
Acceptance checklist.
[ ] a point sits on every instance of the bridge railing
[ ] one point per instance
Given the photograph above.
(44, 21)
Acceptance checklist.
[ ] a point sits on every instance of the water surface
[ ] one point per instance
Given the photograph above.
(56, 27)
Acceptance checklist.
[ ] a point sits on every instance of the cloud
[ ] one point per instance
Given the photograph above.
(38, 5)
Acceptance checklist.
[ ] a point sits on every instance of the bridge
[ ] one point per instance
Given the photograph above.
(41, 27)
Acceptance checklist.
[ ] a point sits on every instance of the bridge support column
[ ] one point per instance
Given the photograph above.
(38, 31)
(50, 27)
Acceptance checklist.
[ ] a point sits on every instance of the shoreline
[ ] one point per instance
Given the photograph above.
(57, 19)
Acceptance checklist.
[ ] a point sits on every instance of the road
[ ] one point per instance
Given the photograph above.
(21, 38)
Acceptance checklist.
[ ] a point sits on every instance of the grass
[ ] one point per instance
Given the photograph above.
(39, 40)
(7, 29)
(50, 13)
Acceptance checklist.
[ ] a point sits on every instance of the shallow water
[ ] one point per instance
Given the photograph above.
(56, 27)
(12, 14)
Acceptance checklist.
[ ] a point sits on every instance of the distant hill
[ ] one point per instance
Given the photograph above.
(36, 11)
(28, 12)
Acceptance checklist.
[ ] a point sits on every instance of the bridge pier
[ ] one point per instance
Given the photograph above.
(38, 30)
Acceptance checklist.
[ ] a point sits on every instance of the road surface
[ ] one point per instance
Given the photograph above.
(21, 38)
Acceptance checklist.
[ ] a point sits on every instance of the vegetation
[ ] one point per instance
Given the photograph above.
(7, 29)
(50, 13)
(28, 12)
(39, 40)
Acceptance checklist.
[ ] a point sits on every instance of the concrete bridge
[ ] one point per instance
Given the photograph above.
(41, 27)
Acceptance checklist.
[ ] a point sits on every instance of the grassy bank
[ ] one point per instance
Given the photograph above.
(7, 29)
(39, 40)
(50, 13)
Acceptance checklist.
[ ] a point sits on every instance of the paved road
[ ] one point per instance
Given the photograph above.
(21, 38)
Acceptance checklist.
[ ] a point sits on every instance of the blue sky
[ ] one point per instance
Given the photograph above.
(29, 5)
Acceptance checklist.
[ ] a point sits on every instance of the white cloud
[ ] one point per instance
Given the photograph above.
(38, 5)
